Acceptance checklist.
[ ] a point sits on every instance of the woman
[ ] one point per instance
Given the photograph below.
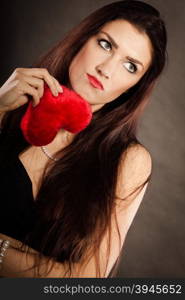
(78, 198)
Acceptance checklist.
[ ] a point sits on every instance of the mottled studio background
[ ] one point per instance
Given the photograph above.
(155, 245)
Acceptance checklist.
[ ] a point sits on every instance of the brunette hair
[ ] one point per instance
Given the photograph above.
(76, 199)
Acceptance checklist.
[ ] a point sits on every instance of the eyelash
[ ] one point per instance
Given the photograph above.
(110, 45)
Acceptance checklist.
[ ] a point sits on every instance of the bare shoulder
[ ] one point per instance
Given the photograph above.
(134, 169)
(134, 172)
(137, 157)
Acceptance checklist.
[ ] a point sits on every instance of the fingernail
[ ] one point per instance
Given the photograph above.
(60, 89)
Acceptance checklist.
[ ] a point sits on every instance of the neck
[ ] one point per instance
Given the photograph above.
(64, 138)
(96, 107)
(61, 140)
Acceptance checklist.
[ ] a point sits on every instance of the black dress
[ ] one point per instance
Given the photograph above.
(17, 206)
(17, 213)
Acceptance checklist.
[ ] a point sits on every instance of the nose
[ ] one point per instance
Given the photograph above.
(106, 68)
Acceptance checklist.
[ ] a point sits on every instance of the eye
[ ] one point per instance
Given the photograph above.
(105, 44)
(130, 67)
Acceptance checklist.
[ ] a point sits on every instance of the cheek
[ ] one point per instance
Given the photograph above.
(81, 61)
(124, 81)
(74, 67)
(119, 85)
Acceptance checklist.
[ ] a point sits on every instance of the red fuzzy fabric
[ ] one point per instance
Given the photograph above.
(68, 110)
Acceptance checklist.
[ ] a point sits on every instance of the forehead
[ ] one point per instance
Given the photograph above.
(130, 40)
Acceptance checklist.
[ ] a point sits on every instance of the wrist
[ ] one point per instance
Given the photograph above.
(4, 245)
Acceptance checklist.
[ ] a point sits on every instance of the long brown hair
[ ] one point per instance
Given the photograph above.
(76, 199)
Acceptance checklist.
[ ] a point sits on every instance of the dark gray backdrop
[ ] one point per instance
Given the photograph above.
(155, 245)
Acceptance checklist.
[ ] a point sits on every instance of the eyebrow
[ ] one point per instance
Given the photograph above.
(116, 46)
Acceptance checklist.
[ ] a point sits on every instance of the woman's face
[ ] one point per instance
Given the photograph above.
(118, 56)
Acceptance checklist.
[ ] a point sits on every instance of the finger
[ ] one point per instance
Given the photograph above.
(39, 84)
(43, 74)
(56, 86)
(36, 83)
(59, 87)
(27, 89)
(21, 101)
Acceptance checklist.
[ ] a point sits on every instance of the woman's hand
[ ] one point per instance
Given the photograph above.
(24, 83)
(14, 242)
(17, 244)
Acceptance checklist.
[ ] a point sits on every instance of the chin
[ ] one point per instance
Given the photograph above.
(82, 89)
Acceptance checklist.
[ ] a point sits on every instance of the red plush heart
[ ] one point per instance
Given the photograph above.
(68, 110)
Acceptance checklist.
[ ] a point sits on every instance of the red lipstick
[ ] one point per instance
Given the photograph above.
(95, 82)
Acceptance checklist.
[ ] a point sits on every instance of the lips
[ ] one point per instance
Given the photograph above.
(95, 82)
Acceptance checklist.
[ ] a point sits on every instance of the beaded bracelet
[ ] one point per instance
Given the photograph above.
(4, 244)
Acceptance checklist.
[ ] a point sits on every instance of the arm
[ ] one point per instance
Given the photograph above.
(17, 264)
(134, 171)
